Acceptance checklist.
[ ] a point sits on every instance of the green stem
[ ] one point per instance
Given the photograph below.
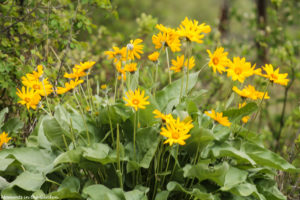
(81, 113)
(156, 77)
(110, 125)
(116, 83)
(118, 157)
(188, 69)
(168, 63)
(134, 134)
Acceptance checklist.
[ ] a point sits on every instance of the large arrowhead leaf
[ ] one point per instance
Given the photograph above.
(265, 157)
(29, 181)
(202, 171)
(219, 150)
(169, 96)
(32, 159)
(99, 153)
(100, 192)
(237, 114)
(196, 192)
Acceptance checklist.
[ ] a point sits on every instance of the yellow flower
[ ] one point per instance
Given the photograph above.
(218, 60)
(44, 88)
(4, 139)
(35, 75)
(239, 69)
(250, 92)
(167, 39)
(165, 118)
(191, 62)
(29, 97)
(103, 86)
(77, 73)
(85, 65)
(117, 54)
(131, 67)
(136, 99)
(154, 56)
(68, 86)
(246, 118)
(177, 64)
(274, 76)
(192, 31)
(121, 70)
(134, 49)
(177, 131)
(218, 117)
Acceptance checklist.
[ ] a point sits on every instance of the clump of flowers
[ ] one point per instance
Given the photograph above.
(34, 86)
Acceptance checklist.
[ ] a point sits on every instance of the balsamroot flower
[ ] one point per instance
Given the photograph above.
(4, 139)
(165, 118)
(43, 88)
(154, 56)
(177, 64)
(29, 97)
(134, 49)
(192, 31)
(274, 76)
(250, 93)
(136, 99)
(34, 76)
(85, 65)
(117, 54)
(168, 37)
(177, 131)
(68, 86)
(218, 60)
(239, 69)
(131, 67)
(77, 73)
(218, 117)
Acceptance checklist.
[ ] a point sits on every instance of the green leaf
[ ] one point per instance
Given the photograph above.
(169, 96)
(32, 159)
(72, 156)
(163, 195)
(95, 192)
(270, 190)
(202, 171)
(265, 157)
(3, 183)
(13, 125)
(147, 140)
(29, 181)
(137, 194)
(68, 189)
(219, 150)
(99, 153)
(5, 162)
(2, 115)
(196, 192)
(55, 133)
(234, 177)
(247, 189)
(118, 113)
(237, 114)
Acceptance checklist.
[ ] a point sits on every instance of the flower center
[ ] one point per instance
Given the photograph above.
(215, 60)
(175, 135)
(36, 87)
(238, 71)
(27, 99)
(274, 76)
(135, 102)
